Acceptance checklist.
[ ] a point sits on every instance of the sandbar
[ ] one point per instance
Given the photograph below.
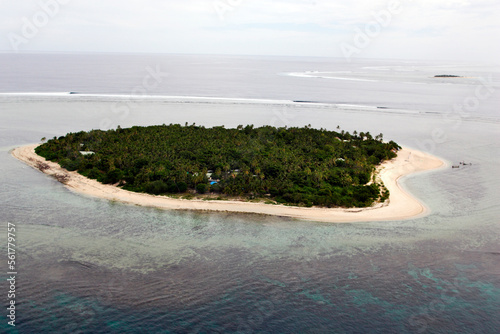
(400, 206)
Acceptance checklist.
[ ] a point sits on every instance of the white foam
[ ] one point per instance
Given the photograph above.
(204, 99)
(321, 75)
(356, 106)
(169, 98)
(392, 68)
(37, 94)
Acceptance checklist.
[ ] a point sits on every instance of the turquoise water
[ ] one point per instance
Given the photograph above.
(92, 266)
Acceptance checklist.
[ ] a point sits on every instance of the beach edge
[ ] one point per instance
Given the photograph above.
(401, 205)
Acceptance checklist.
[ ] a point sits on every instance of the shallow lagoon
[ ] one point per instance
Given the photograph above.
(88, 265)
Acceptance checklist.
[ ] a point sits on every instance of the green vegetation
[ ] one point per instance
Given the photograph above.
(295, 166)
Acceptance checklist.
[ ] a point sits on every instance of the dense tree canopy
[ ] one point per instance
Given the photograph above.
(299, 166)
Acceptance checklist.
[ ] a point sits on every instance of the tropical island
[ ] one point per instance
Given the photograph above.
(447, 76)
(291, 166)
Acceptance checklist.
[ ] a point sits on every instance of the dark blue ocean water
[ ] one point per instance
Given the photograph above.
(87, 265)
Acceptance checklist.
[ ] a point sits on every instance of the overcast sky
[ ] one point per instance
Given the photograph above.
(406, 29)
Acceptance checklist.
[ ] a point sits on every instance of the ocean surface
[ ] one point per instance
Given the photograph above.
(86, 265)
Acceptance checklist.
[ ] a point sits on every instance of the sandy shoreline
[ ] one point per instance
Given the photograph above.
(401, 204)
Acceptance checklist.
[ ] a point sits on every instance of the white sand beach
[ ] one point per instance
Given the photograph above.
(401, 205)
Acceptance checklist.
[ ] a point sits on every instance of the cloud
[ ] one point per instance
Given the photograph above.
(291, 27)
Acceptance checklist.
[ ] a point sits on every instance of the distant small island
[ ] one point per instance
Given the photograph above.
(291, 166)
(447, 76)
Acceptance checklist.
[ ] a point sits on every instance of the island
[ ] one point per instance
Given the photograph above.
(447, 76)
(304, 173)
